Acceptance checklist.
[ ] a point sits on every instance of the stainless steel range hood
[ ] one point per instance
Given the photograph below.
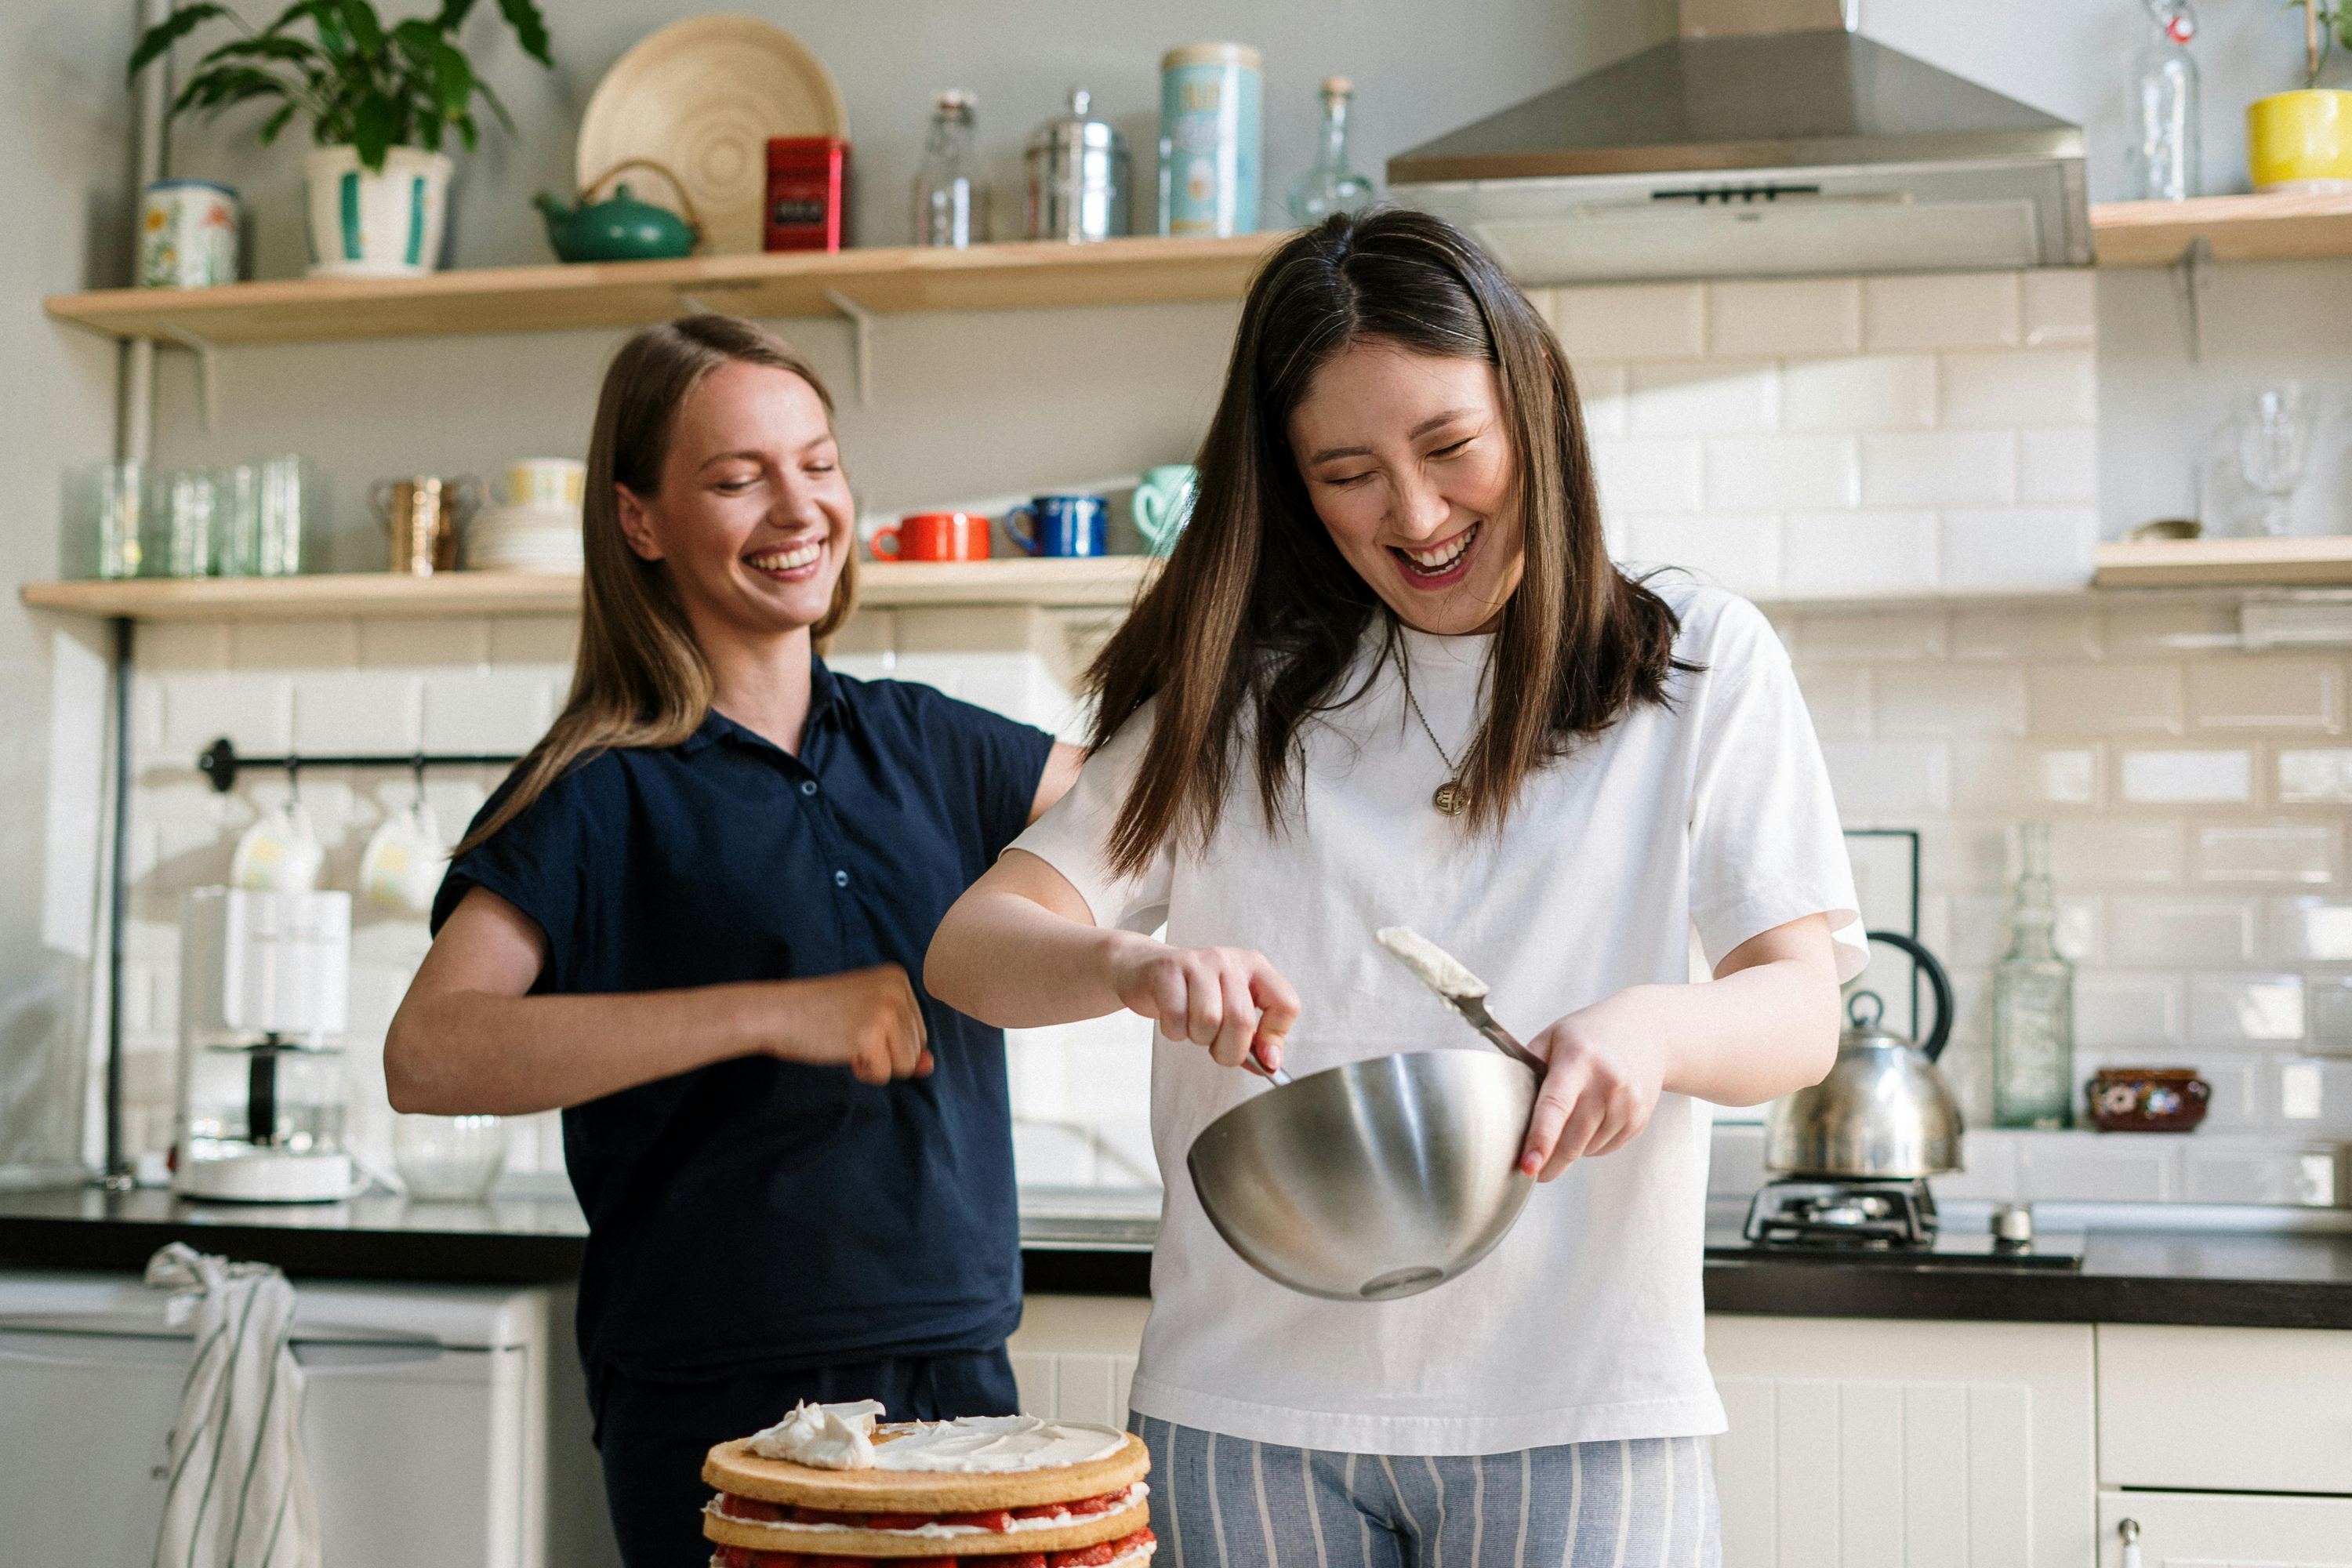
(1739, 150)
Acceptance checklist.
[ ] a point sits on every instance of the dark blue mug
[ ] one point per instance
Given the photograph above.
(1070, 524)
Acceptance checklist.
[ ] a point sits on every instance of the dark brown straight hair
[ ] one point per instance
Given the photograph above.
(640, 678)
(1253, 625)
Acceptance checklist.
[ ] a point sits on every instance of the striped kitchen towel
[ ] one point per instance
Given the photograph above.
(240, 1492)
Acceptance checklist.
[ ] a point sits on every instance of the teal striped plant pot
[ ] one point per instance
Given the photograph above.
(364, 224)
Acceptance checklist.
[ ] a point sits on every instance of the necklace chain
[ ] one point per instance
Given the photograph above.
(1452, 797)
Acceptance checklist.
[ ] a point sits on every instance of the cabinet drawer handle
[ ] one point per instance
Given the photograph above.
(2129, 1531)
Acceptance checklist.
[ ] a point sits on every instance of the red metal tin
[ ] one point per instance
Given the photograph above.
(808, 194)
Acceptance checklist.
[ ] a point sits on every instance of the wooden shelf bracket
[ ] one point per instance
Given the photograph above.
(207, 355)
(2189, 280)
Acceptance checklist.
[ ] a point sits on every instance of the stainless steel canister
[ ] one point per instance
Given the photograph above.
(1077, 176)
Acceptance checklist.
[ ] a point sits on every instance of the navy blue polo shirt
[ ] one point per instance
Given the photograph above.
(756, 1212)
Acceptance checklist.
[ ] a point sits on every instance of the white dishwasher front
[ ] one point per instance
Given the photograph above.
(424, 1421)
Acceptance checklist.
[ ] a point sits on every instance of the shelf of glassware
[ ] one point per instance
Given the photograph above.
(2234, 228)
(2308, 562)
(883, 280)
(1110, 579)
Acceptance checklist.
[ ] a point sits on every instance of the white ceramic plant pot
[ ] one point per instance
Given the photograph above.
(364, 224)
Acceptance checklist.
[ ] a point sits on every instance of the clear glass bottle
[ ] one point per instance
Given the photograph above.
(2160, 144)
(950, 202)
(1330, 186)
(2033, 1001)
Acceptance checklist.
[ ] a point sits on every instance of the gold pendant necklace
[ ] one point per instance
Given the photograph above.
(1453, 796)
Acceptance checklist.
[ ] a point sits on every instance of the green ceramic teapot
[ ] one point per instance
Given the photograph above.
(621, 228)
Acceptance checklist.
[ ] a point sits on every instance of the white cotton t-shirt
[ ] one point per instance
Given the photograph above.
(1587, 1321)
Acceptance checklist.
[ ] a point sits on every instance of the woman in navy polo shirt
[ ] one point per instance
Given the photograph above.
(689, 917)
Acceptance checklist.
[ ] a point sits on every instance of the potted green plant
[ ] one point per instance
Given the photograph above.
(380, 100)
(2302, 141)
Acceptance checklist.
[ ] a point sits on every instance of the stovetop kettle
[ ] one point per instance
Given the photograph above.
(1883, 1112)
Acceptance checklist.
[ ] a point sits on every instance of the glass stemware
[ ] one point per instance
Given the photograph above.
(2273, 440)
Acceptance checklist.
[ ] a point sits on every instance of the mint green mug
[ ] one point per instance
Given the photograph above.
(1162, 502)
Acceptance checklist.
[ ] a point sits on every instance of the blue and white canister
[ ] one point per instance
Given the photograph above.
(362, 223)
(1211, 127)
(187, 235)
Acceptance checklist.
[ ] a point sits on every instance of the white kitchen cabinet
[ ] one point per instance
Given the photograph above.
(2192, 1529)
(1887, 1444)
(2247, 1410)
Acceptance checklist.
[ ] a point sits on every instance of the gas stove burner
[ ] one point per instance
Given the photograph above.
(1837, 1216)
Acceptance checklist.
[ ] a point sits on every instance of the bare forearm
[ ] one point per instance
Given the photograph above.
(1744, 1039)
(1007, 960)
(477, 1053)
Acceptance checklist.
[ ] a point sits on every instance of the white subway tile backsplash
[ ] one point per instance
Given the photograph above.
(1647, 475)
(2313, 1094)
(1600, 391)
(496, 710)
(2157, 628)
(1647, 320)
(1862, 392)
(2331, 1015)
(2101, 1168)
(2179, 934)
(2204, 777)
(2305, 694)
(1960, 310)
(2287, 854)
(2245, 1009)
(1784, 316)
(2118, 1010)
(294, 645)
(455, 641)
(2307, 1175)
(1837, 698)
(1872, 637)
(1939, 467)
(2315, 777)
(2007, 388)
(1774, 473)
(1741, 553)
(1857, 552)
(253, 711)
(2042, 635)
(2310, 930)
(1886, 780)
(2060, 306)
(1994, 775)
(2112, 852)
(553, 639)
(1713, 397)
(182, 646)
(2067, 699)
(1950, 699)
(2058, 465)
(361, 711)
(2022, 548)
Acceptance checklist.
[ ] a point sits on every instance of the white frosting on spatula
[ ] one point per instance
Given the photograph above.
(1436, 968)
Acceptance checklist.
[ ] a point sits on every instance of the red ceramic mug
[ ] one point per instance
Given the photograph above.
(933, 536)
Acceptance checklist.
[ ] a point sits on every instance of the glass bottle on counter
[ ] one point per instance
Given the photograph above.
(1330, 186)
(950, 202)
(2033, 1001)
(2160, 141)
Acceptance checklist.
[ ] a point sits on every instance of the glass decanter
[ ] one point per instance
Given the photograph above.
(950, 202)
(1330, 186)
(2033, 1001)
(2160, 140)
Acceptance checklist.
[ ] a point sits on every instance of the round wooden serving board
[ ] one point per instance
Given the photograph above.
(733, 1467)
(1079, 1533)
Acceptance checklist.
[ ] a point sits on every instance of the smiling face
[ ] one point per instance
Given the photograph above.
(754, 515)
(1408, 461)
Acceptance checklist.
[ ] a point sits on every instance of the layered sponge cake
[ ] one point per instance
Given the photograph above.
(826, 1488)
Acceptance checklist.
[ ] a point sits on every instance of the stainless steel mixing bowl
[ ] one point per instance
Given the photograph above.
(1373, 1181)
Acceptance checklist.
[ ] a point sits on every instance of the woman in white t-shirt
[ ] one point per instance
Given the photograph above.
(1390, 676)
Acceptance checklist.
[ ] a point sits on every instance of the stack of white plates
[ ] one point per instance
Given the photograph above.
(524, 539)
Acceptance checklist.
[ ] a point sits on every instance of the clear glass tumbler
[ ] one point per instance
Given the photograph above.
(449, 1158)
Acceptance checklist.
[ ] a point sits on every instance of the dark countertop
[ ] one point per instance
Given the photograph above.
(2223, 1278)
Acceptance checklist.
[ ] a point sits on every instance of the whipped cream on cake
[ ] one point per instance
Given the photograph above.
(823, 1436)
(994, 1445)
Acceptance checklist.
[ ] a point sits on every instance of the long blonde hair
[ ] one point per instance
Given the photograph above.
(641, 679)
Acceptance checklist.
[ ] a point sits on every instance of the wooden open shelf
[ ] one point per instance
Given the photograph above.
(2226, 564)
(2237, 228)
(629, 294)
(1109, 580)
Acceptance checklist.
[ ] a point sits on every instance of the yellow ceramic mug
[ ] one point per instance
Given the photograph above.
(2301, 142)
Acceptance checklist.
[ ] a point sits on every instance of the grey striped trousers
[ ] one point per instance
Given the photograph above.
(1230, 1502)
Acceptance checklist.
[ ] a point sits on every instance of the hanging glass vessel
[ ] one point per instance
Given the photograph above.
(2161, 145)
(1330, 186)
(2033, 1001)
